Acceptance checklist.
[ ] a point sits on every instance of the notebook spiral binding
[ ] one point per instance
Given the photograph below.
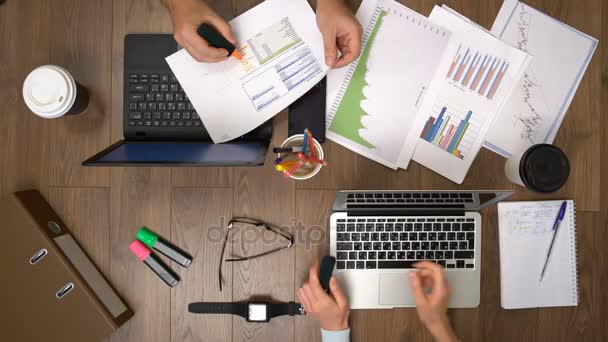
(573, 251)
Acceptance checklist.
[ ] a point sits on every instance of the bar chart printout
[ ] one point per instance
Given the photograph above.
(449, 131)
(477, 72)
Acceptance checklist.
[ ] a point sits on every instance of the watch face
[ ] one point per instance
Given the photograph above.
(258, 312)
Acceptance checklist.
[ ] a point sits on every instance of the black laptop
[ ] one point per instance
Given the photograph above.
(160, 126)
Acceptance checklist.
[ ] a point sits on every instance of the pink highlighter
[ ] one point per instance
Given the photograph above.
(158, 266)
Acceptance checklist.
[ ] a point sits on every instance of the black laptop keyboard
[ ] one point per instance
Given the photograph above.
(396, 243)
(410, 197)
(157, 100)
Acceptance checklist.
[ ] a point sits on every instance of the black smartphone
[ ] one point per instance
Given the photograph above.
(309, 112)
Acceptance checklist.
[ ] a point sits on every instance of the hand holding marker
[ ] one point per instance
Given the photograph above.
(215, 39)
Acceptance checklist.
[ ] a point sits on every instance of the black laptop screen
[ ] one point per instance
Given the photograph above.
(184, 153)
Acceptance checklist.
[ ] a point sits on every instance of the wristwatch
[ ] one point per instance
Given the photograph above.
(251, 311)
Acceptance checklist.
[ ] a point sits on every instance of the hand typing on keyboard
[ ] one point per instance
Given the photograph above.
(432, 292)
(429, 285)
(331, 310)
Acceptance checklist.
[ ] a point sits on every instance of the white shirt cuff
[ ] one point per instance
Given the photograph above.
(335, 336)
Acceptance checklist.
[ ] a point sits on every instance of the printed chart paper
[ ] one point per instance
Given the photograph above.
(372, 103)
(283, 58)
(474, 78)
(535, 110)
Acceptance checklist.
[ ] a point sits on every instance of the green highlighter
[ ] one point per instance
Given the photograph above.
(163, 246)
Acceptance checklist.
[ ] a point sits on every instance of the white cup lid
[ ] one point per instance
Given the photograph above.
(49, 91)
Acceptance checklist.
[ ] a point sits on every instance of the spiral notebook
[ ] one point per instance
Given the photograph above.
(525, 232)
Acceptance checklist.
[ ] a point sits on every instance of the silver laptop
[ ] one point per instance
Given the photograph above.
(376, 237)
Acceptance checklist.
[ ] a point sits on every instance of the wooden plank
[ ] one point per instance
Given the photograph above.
(198, 224)
(140, 197)
(600, 236)
(23, 135)
(263, 193)
(203, 177)
(81, 43)
(312, 243)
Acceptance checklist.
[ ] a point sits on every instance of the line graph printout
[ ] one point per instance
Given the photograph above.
(281, 62)
(538, 104)
(372, 103)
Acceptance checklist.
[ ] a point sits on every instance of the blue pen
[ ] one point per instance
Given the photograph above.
(305, 144)
(558, 221)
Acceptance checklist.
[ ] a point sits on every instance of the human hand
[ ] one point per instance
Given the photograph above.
(341, 31)
(432, 306)
(330, 310)
(187, 16)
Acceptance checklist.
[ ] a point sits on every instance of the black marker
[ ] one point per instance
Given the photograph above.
(215, 39)
(327, 268)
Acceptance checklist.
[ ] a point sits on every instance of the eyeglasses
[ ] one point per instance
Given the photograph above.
(258, 224)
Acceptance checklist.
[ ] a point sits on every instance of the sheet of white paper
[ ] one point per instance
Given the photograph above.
(372, 103)
(535, 110)
(476, 74)
(283, 58)
(524, 237)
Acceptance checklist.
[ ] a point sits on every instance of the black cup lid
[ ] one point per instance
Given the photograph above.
(544, 168)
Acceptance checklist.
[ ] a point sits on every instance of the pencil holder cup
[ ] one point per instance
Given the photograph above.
(308, 170)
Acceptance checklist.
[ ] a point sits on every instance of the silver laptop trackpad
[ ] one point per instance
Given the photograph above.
(395, 289)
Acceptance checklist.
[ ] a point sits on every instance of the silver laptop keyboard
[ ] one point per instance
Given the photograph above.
(396, 243)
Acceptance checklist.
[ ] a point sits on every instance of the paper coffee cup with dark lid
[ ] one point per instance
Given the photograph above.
(50, 92)
(540, 168)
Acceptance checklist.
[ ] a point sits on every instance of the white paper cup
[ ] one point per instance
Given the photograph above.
(50, 92)
(308, 170)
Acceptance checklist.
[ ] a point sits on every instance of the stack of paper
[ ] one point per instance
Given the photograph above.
(422, 89)
(537, 106)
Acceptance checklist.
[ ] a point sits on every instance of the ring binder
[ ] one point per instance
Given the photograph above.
(53, 285)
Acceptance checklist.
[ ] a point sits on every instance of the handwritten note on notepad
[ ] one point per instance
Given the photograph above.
(524, 237)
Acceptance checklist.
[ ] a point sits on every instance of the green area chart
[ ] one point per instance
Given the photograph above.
(347, 120)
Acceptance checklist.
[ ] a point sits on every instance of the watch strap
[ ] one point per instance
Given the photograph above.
(291, 309)
(241, 309)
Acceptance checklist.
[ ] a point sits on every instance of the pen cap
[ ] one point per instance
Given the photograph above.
(140, 251)
(147, 237)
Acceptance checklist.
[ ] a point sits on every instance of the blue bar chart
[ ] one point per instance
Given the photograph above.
(451, 130)
(477, 72)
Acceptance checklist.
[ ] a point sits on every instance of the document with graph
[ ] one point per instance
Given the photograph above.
(475, 76)
(535, 110)
(283, 58)
(372, 103)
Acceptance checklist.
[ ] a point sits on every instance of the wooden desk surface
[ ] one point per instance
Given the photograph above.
(105, 207)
